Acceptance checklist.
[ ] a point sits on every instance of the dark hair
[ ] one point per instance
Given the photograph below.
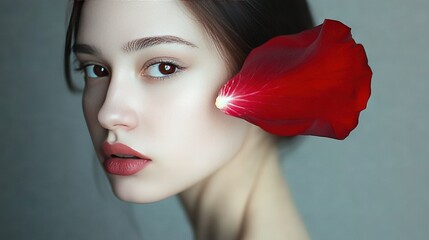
(236, 26)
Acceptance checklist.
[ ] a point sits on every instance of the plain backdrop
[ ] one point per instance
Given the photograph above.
(373, 185)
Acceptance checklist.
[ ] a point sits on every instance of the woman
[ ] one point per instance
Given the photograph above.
(152, 72)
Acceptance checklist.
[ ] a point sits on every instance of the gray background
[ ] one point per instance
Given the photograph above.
(371, 186)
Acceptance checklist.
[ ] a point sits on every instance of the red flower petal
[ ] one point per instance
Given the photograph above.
(311, 83)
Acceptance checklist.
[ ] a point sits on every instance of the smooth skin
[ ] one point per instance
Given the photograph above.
(152, 74)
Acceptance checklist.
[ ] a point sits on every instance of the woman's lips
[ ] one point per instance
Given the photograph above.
(119, 159)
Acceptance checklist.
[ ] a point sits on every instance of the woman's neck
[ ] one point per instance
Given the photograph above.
(246, 199)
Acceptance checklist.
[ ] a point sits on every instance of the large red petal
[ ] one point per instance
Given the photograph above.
(312, 83)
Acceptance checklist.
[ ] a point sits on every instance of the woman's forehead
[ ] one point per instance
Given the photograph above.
(122, 21)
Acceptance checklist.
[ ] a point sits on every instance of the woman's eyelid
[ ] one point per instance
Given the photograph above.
(173, 61)
(157, 61)
(83, 66)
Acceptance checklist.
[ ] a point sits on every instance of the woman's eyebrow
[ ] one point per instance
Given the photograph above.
(135, 45)
(141, 43)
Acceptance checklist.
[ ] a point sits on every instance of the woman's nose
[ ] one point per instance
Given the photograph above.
(117, 111)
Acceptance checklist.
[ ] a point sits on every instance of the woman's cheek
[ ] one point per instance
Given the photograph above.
(200, 132)
(199, 127)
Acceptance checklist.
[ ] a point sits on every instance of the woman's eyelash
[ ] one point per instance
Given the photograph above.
(173, 63)
(82, 66)
(168, 61)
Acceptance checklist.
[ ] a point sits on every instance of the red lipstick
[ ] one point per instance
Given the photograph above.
(119, 159)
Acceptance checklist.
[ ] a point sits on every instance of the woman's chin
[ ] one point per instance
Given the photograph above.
(138, 197)
(138, 193)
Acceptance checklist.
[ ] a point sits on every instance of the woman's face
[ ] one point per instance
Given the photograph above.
(152, 76)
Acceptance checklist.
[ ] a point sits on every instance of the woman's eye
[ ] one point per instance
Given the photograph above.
(161, 70)
(95, 71)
